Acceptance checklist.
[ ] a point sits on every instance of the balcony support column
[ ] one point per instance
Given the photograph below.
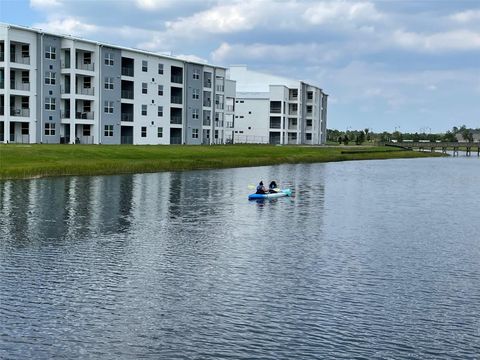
(6, 98)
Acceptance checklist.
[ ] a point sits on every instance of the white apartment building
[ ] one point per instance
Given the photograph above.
(62, 89)
(276, 110)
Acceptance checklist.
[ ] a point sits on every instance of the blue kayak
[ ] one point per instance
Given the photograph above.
(280, 193)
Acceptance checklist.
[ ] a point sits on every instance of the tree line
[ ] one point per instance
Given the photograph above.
(368, 136)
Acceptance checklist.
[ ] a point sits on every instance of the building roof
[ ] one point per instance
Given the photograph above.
(250, 81)
(40, 31)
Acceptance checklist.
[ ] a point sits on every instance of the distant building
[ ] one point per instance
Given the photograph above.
(475, 136)
(277, 110)
(62, 89)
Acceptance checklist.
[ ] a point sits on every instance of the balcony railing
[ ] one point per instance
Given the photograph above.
(127, 94)
(175, 140)
(64, 90)
(19, 112)
(207, 83)
(275, 110)
(65, 65)
(230, 107)
(126, 140)
(17, 58)
(175, 120)
(207, 103)
(86, 91)
(127, 71)
(65, 114)
(274, 125)
(218, 123)
(176, 99)
(127, 117)
(14, 85)
(87, 115)
(207, 122)
(177, 79)
(293, 112)
(19, 138)
(84, 140)
(219, 106)
(220, 88)
(88, 67)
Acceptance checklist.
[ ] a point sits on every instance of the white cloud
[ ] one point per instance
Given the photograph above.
(327, 12)
(466, 16)
(41, 4)
(153, 4)
(220, 19)
(438, 42)
(308, 53)
(69, 26)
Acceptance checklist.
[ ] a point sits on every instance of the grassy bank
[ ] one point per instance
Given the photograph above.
(27, 161)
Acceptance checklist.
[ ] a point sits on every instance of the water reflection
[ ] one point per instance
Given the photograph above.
(182, 265)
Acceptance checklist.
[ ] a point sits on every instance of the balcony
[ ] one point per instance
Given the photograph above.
(65, 114)
(219, 88)
(127, 94)
(219, 106)
(19, 112)
(207, 83)
(175, 120)
(207, 122)
(176, 99)
(230, 108)
(19, 59)
(177, 79)
(127, 117)
(86, 91)
(87, 115)
(88, 67)
(19, 86)
(127, 71)
(65, 64)
(65, 89)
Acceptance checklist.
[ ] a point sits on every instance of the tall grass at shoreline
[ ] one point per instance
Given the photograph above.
(36, 160)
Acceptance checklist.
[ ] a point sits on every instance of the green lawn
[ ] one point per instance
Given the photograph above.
(27, 161)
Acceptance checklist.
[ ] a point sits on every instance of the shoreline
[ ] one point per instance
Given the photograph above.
(29, 161)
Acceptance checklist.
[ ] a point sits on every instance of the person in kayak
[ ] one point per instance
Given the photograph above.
(272, 187)
(261, 189)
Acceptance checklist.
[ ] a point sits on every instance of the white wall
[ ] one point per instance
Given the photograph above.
(250, 120)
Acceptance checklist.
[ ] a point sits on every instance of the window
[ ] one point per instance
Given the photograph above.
(196, 94)
(144, 131)
(144, 110)
(194, 133)
(160, 90)
(195, 114)
(144, 88)
(86, 130)
(160, 111)
(109, 59)
(196, 74)
(25, 77)
(49, 129)
(108, 107)
(310, 95)
(160, 132)
(87, 82)
(49, 103)
(25, 51)
(216, 134)
(49, 78)
(25, 128)
(50, 53)
(160, 69)
(109, 83)
(309, 122)
(87, 58)
(144, 65)
(308, 136)
(108, 130)
(87, 106)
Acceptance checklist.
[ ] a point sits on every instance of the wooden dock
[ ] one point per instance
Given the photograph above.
(456, 147)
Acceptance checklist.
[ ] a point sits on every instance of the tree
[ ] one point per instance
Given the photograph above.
(346, 139)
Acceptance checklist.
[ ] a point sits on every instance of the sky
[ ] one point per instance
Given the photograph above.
(386, 65)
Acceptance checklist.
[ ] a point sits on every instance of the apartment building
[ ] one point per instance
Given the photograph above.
(276, 110)
(61, 89)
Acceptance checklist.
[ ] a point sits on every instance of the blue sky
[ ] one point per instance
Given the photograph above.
(402, 64)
